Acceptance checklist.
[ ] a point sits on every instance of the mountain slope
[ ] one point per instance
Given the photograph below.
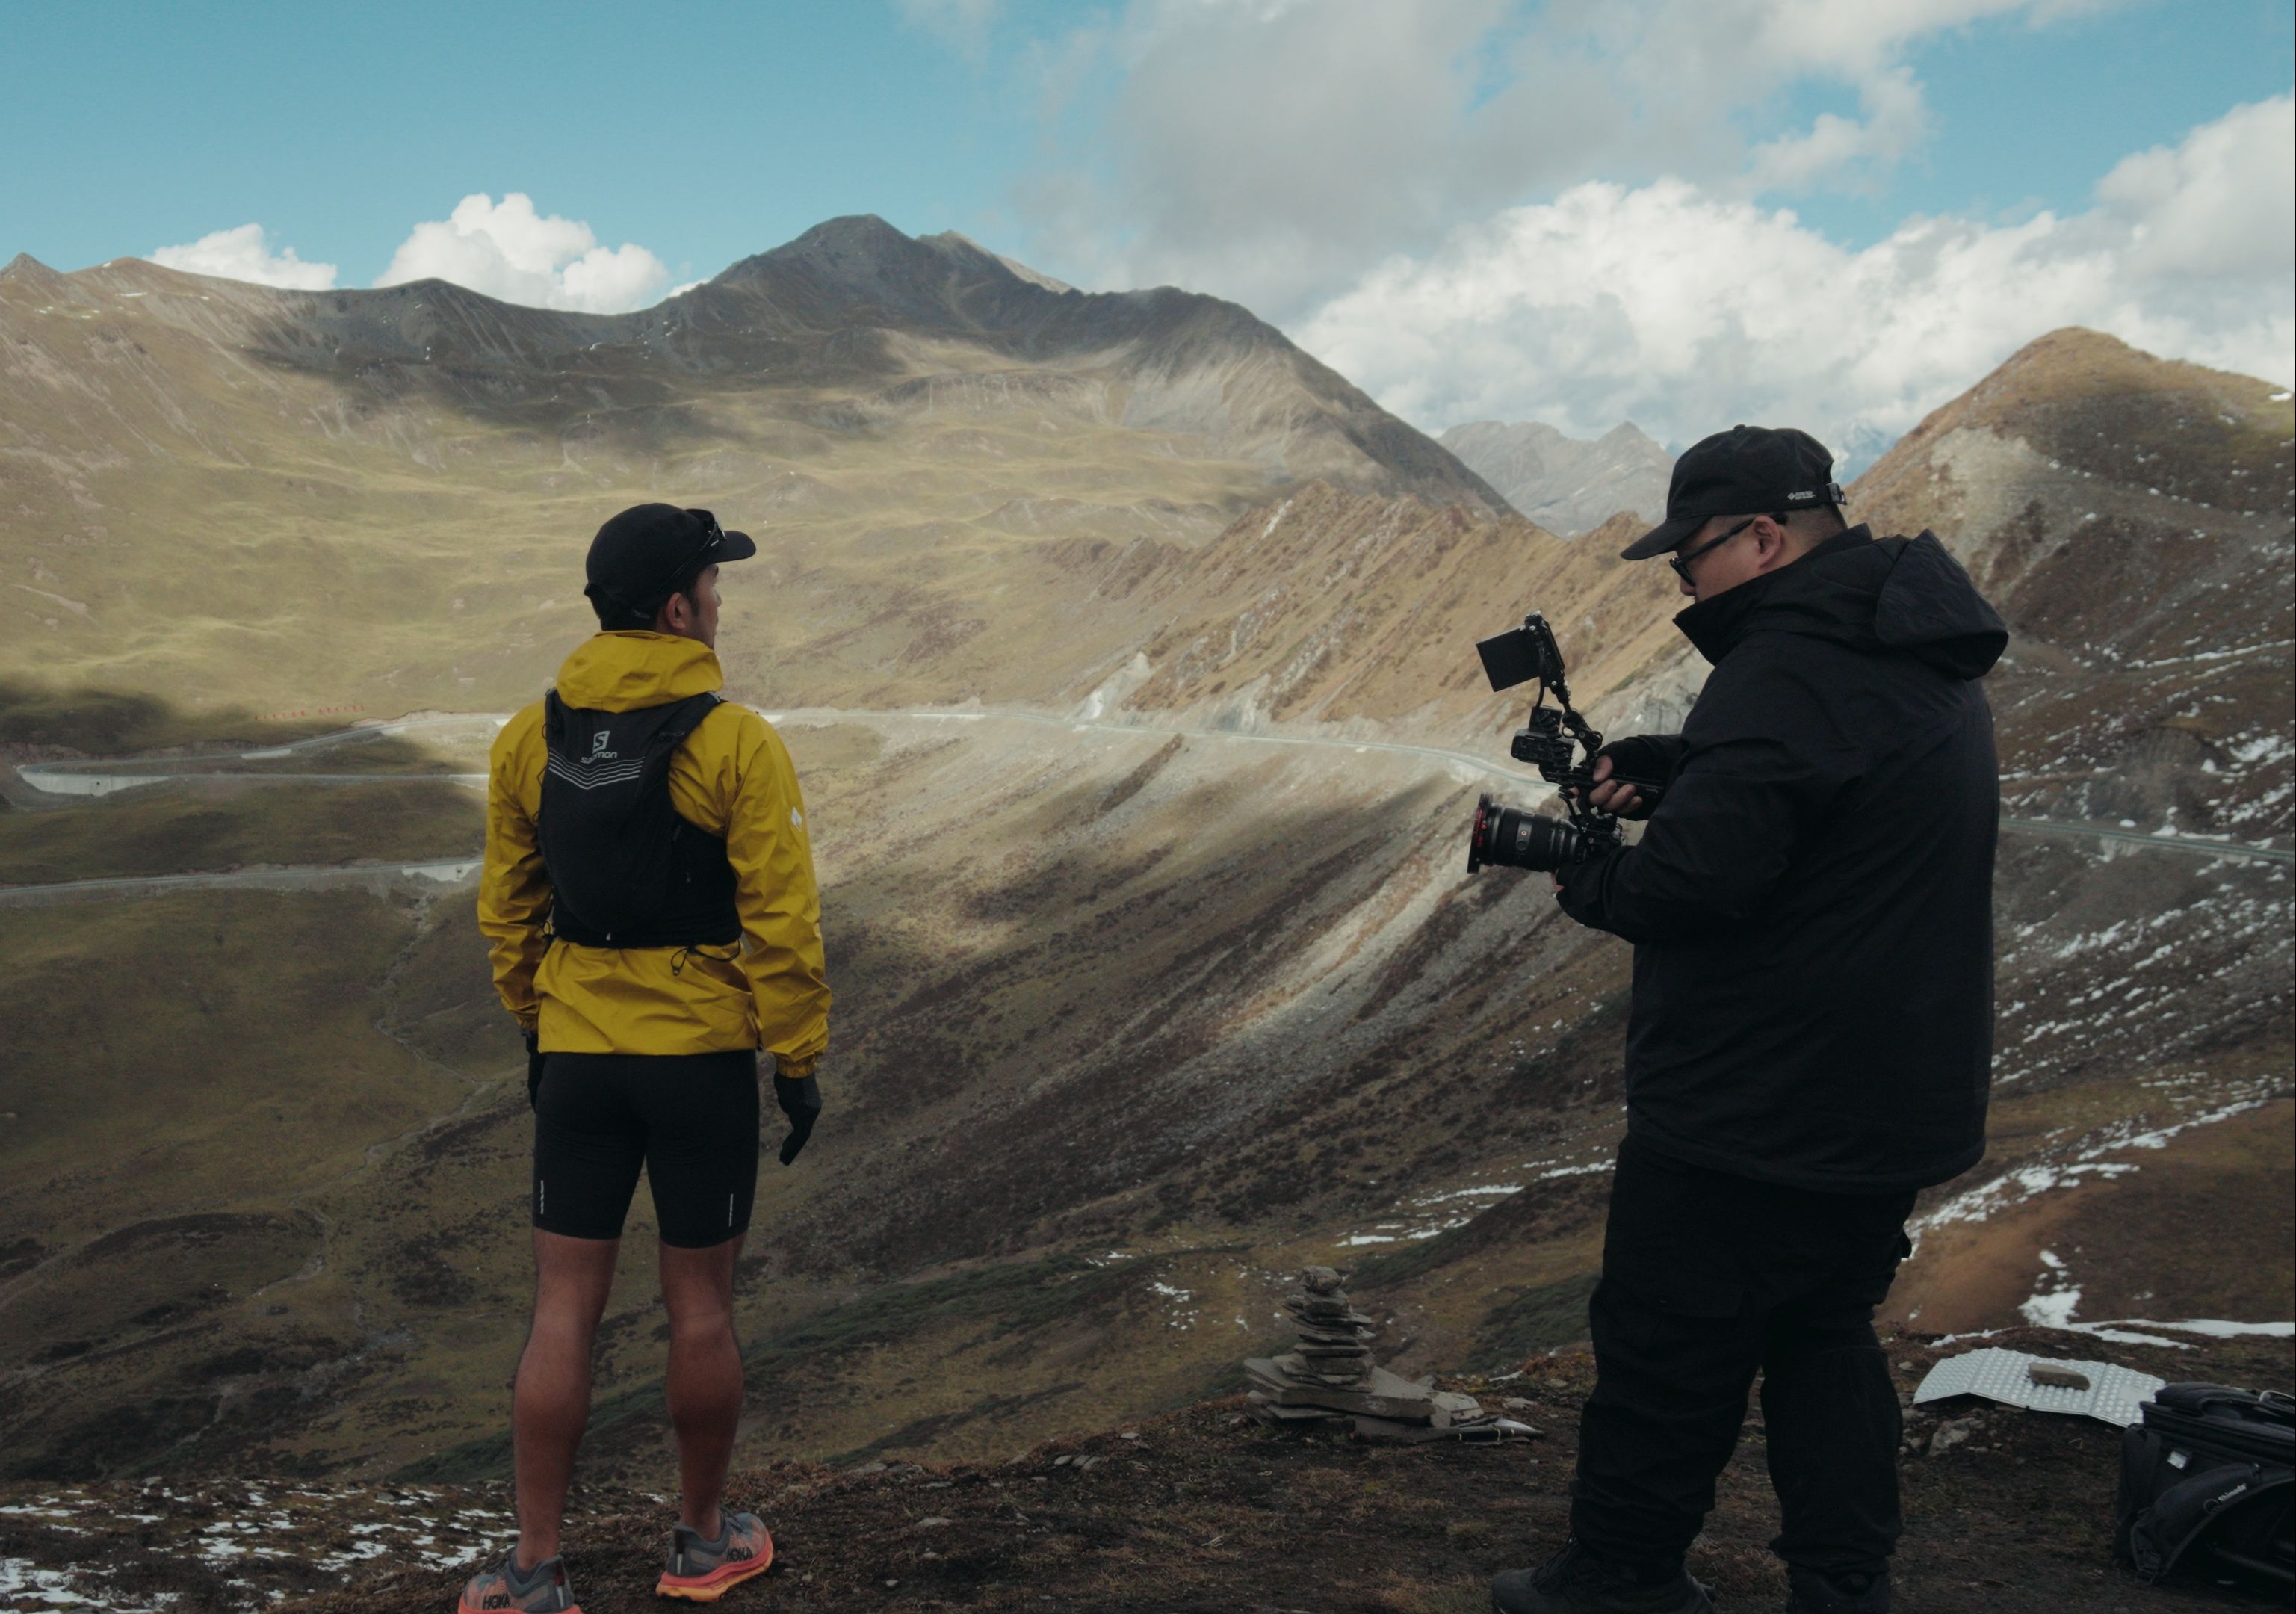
(291, 498)
(1152, 988)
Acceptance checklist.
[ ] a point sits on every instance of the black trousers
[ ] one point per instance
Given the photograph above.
(1707, 1278)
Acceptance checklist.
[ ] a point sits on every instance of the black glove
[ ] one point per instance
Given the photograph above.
(1644, 762)
(534, 1058)
(800, 1098)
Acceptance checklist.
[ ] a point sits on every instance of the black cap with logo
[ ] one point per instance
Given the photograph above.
(1743, 471)
(641, 556)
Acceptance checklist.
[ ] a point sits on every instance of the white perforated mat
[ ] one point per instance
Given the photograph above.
(2112, 1397)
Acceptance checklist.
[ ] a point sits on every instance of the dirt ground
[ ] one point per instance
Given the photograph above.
(1198, 1511)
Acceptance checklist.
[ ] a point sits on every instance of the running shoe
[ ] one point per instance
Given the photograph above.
(503, 1590)
(702, 1570)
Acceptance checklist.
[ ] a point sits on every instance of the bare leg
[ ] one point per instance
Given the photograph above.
(551, 1400)
(705, 1375)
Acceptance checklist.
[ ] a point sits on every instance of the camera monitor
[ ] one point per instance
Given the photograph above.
(1520, 654)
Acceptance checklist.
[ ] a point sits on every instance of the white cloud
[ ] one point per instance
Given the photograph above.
(508, 250)
(1271, 150)
(1685, 309)
(1835, 150)
(242, 254)
(1260, 149)
(2220, 205)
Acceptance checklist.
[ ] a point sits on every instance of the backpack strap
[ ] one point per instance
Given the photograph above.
(689, 714)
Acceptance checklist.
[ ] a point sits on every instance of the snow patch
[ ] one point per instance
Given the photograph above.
(2053, 1305)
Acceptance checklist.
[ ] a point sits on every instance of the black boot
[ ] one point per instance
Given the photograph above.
(1812, 1593)
(1580, 1583)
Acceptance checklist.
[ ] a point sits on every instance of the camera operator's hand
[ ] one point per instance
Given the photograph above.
(1637, 769)
(1613, 795)
(800, 1098)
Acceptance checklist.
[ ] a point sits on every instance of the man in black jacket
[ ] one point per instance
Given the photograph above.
(1811, 1031)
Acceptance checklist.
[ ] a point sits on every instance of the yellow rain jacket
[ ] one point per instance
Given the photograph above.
(731, 778)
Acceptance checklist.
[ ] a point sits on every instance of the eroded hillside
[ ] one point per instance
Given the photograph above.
(1158, 972)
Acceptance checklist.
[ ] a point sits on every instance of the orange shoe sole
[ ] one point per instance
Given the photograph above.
(715, 1585)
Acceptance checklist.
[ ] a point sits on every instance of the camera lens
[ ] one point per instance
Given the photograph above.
(1514, 839)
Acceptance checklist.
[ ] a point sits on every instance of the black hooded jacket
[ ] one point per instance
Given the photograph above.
(1811, 904)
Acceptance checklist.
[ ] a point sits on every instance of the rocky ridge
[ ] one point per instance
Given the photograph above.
(908, 424)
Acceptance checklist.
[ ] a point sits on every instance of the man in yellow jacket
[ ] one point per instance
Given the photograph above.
(655, 929)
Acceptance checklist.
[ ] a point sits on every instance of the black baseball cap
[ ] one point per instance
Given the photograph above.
(1745, 470)
(640, 556)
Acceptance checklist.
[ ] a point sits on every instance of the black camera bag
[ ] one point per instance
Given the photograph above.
(2208, 1486)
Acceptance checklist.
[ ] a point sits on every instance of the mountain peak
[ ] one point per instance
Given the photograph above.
(862, 251)
(2045, 391)
(858, 250)
(2080, 444)
(25, 267)
(2072, 363)
(842, 240)
(859, 267)
(1525, 431)
(2076, 341)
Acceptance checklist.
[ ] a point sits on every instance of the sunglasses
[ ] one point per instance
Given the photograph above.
(713, 539)
(1681, 563)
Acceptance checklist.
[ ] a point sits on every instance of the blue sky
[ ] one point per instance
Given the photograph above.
(706, 131)
(2036, 115)
(1293, 154)
(710, 131)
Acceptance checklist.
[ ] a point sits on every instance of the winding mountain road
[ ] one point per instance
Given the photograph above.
(102, 775)
(438, 872)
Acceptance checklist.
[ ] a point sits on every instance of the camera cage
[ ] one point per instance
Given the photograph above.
(1550, 735)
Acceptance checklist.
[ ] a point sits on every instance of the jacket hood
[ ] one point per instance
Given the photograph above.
(1869, 593)
(623, 672)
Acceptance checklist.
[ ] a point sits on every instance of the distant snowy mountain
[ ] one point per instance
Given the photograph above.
(1859, 448)
(1567, 485)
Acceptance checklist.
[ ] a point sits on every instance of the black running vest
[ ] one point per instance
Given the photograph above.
(625, 871)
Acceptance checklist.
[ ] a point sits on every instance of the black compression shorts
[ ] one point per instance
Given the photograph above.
(690, 1119)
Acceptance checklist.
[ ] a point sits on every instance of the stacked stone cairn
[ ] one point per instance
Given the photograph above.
(1328, 1380)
